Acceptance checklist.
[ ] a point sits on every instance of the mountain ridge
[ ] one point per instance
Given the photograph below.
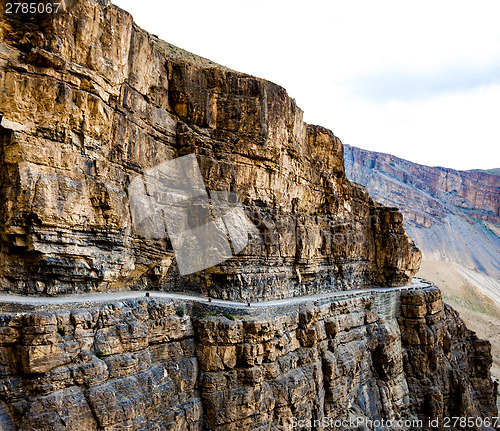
(452, 215)
(114, 101)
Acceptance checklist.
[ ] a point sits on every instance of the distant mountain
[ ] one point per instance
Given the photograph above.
(495, 171)
(451, 215)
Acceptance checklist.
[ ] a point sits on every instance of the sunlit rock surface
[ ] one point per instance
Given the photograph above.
(90, 101)
(150, 364)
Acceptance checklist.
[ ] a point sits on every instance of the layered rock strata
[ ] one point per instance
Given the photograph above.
(437, 189)
(90, 101)
(452, 215)
(442, 360)
(154, 364)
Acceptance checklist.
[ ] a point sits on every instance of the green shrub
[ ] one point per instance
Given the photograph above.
(180, 312)
(100, 354)
(229, 316)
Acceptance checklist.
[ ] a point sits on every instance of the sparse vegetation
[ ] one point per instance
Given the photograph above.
(369, 305)
(212, 313)
(485, 226)
(180, 312)
(61, 331)
(228, 316)
(179, 55)
(100, 354)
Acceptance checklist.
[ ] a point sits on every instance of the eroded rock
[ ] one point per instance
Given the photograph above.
(114, 101)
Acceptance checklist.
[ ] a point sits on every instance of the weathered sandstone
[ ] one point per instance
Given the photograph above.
(153, 364)
(90, 101)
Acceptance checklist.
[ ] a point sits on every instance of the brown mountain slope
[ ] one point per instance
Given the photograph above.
(452, 215)
(89, 104)
(84, 117)
(474, 296)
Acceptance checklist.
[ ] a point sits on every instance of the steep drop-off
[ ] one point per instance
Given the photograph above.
(152, 364)
(475, 296)
(90, 101)
(452, 215)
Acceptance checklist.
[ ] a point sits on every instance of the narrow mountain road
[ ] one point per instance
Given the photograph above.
(122, 295)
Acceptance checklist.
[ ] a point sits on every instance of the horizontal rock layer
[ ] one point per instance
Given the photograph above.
(150, 364)
(90, 101)
(475, 193)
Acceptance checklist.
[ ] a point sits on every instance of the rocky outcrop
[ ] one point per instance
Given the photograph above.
(156, 364)
(442, 357)
(90, 101)
(317, 363)
(452, 215)
(118, 366)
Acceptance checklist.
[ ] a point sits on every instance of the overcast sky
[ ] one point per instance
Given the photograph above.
(420, 80)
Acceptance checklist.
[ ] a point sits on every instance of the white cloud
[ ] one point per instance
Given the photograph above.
(448, 131)
(419, 80)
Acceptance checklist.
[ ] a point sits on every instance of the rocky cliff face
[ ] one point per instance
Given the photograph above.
(152, 364)
(90, 101)
(434, 338)
(452, 215)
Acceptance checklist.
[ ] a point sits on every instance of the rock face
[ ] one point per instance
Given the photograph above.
(452, 215)
(90, 101)
(156, 365)
(120, 366)
(442, 357)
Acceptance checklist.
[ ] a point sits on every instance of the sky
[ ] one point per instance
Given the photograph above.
(420, 80)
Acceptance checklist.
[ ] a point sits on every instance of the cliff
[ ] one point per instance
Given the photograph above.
(151, 364)
(90, 102)
(92, 107)
(452, 215)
